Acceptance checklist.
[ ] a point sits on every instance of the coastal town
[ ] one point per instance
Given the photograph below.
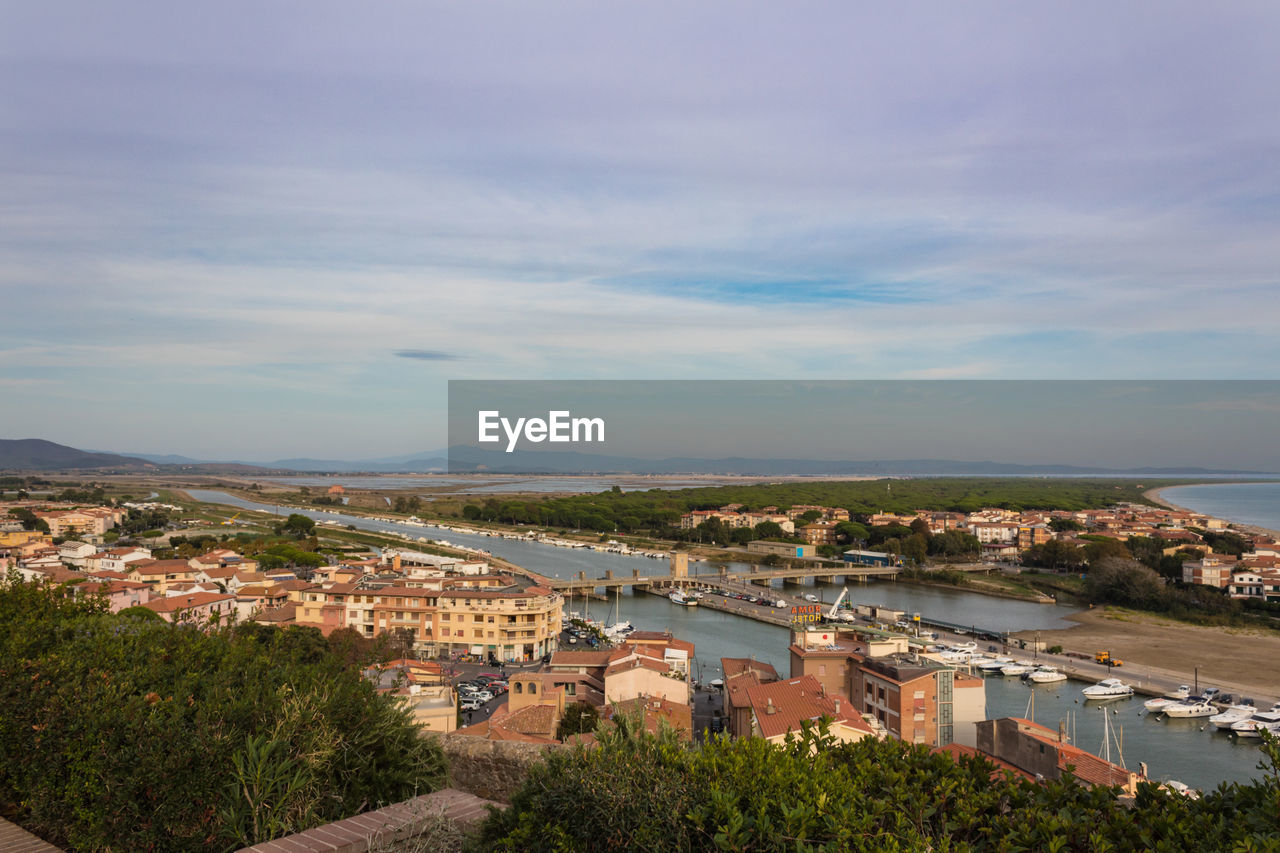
(478, 650)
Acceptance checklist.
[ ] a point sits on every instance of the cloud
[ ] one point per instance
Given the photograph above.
(425, 355)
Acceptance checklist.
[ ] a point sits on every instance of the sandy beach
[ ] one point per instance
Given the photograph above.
(1239, 660)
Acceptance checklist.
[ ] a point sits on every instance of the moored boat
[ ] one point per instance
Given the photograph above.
(1234, 714)
(1182, 694)
(1107, 688)
(1046, 675)
(1018, 667)
(1198, 707)
(1252, 727)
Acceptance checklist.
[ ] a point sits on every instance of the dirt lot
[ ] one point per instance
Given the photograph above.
(1237, 659)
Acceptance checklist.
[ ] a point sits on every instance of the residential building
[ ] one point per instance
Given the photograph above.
(918, 700)
(1211, 570)
(200, 607)
(785, 707)
(1047, 754)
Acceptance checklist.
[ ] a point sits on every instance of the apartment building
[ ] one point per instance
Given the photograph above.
(919, 701)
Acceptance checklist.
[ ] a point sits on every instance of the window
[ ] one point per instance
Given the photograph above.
(519, 686)
(919, 694)
(822, 669)
(533, 688)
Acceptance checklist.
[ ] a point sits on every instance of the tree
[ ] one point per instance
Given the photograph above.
(1063, 525)
(921, 527)
(124, 732)
(769, 530)
(579, 718)
(808, 516)
(299, 525)
(1114, 580)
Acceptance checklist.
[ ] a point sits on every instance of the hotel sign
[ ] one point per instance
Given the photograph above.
(802, 613)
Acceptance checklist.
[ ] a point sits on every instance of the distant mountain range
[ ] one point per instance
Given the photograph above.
(36, 454)
(32, 454)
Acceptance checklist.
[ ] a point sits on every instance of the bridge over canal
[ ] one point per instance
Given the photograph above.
(756, 575)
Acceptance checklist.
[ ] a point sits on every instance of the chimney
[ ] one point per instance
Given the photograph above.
(769, 709)
(837, 707)
(1062, 731)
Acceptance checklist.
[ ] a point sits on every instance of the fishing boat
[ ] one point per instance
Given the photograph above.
(1107, 688)
(678, 597)
(1182, 694)
(1046, 675)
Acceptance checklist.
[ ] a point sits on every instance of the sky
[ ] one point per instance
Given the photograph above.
(256, 231)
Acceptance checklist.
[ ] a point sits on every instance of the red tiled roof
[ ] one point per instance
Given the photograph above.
(182, 602)
(795, 701)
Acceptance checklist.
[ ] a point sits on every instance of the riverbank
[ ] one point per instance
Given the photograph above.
(1239, 660)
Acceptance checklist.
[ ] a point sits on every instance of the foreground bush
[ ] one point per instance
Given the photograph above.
(639, 792)
(122, 732)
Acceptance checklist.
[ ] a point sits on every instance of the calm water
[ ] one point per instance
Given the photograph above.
(473, 485)
(1173, 749)
(1247, 503)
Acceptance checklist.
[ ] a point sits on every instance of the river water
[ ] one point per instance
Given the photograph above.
(1173, 749)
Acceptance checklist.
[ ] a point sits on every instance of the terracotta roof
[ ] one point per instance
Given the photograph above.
(795, 701)
(572, 658)
(182, 602)
(286, 612)
(738, 666)
(656, 711)
(161, 567)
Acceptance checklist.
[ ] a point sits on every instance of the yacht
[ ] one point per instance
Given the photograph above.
(1018, 667)
(1232, 715)
(1182, 694)
(966, 647)
(1269, 720)
(1198, 707)
(1046, 675)
(1108, 688)
(994, 665)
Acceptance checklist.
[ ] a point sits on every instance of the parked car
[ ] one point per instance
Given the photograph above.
(469, 705)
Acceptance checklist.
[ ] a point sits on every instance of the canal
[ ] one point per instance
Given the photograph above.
(1172, 749)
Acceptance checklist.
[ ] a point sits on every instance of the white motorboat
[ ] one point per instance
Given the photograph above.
(966, 647)
(1182, 694)
(994, 665)
(1107, 688)
(1269, 720)
(1046, 675)
(1198, 707)
(1232, 715)
(1018, 667)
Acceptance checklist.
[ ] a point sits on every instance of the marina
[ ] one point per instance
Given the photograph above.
(1189, 750)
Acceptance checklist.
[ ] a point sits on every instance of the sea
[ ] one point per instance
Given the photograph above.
(1244, 503)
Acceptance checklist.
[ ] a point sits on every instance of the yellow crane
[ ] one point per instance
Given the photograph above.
(231, 520)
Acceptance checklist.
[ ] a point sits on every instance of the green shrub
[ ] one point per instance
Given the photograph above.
(639, 792)
(127, 733)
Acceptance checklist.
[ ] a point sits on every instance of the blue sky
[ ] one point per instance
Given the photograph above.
(222, 229)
